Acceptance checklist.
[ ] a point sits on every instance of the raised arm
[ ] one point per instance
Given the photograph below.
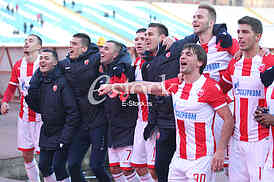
(140, 87)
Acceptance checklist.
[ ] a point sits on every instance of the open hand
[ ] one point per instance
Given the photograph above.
(168, 41)
(4, 108)
(217, 163)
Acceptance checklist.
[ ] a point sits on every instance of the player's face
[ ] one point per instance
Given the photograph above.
(47, 62)
(76, 48)
(247, 37)
(139, 42)
(153, 39)
(201, 21)
(31, 44)
(107, 53)
(100, 48)
(189, 62)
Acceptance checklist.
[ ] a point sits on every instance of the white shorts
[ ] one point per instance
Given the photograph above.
(120, 156)
(143, 154)
(28, 134)
(246, 160)
(218, 124)
(268, 171)
(182, 170)
(268, 175)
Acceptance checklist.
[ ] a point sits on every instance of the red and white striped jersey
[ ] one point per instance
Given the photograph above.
(244, 77)
(142, 98)
(21, 74)
(194, 109)
(270, 104)
(218, 58)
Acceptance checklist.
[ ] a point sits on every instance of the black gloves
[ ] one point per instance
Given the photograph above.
(267, 76)
(220, 31)
(225, 38)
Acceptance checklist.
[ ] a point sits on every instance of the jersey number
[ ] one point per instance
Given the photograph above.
(129, 153)
(199, 177)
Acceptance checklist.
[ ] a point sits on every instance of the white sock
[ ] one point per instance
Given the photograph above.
(50, 178)
(133, 177)
(32, 171)
(65, 180)
(146, 178)
(119, 177)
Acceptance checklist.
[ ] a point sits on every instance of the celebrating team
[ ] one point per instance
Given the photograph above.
(173, 114)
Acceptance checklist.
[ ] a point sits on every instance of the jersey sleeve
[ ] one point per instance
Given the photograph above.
(171, 85)
(14, 75)
(13, 83)
(268, 61)
(226, 79)
(214, 95)
(234, 48)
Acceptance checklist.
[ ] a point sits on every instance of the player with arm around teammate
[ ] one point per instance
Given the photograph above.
(195, 101)
(50, 95)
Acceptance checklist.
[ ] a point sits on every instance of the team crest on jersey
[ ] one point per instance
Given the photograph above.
(24, 86)
(168, 55)
(86, 62)
(236, 84)
(261, 67)
(201, 93)
(54, 88)
(157, 135)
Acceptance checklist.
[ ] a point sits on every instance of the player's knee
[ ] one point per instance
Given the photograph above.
(98, 169)
(141, 171)
(74, 166)
(128, 172)
(152, 173)
(59, 168)
(28, 156)
(115, 169)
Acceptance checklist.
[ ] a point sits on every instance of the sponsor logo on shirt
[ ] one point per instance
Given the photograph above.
(186, 115)
(212, 66)
(246, 92)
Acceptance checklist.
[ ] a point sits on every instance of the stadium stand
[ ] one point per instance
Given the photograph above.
(96, 18)
(112, 19)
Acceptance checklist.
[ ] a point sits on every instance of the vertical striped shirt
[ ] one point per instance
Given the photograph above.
(194, 109)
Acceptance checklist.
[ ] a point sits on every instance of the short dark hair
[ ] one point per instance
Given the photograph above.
(162, 29)
(199, 52)
(256, 24)
(141, 30)
(53, 52)
(85, 40)
(210, 9)
(118, 45)
(38, 38)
